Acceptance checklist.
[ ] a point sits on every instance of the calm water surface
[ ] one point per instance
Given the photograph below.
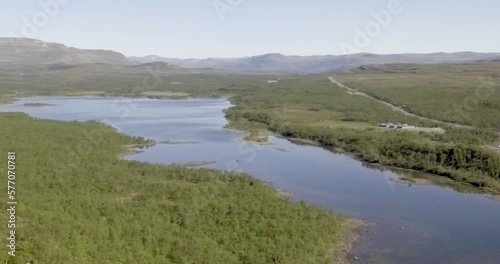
(414, 223)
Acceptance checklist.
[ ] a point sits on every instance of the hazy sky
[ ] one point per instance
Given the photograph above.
(196, 28)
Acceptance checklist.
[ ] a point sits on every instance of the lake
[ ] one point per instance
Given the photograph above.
(434, 223)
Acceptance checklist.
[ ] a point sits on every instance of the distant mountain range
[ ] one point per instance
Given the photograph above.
(318, 64)
(22, 51)
(31, 53)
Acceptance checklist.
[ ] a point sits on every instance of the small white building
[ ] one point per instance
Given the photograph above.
(396, 125)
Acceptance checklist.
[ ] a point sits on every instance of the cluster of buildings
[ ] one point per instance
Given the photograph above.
(396, 125)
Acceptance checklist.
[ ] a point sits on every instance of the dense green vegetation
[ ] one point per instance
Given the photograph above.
(314, 99)
(460, 93)
(80, 203)
(455, 154)
(312, 108)
(128, 81)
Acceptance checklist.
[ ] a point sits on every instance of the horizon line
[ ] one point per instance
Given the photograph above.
(262, 54)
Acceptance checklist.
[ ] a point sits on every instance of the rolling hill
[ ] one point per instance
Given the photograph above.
(21, 54)
(317, 64)
(32, 52)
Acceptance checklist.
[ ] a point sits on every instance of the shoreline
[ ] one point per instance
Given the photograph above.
(127, 191)
(350, 238)
(484, 190)
(228, 127)
(351, 232)
(350, 229)
(132, 148)
(247, 137)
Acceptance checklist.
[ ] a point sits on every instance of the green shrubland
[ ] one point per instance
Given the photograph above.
(313, 104)
(466, 93)
(457, 154)
(80, 203)
(295, 107)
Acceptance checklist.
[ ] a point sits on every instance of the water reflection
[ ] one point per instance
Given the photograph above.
(436, 222)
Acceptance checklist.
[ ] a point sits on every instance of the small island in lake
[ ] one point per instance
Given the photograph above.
(37, 104)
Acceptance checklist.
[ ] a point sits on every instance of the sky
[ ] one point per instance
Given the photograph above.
(236, 28)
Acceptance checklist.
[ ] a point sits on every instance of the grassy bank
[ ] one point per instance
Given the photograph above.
(457, 154)
(467, 94)
(313, 109)
(79, 203)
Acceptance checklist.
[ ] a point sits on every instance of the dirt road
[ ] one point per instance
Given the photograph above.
(396, 108)
(494, 146)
